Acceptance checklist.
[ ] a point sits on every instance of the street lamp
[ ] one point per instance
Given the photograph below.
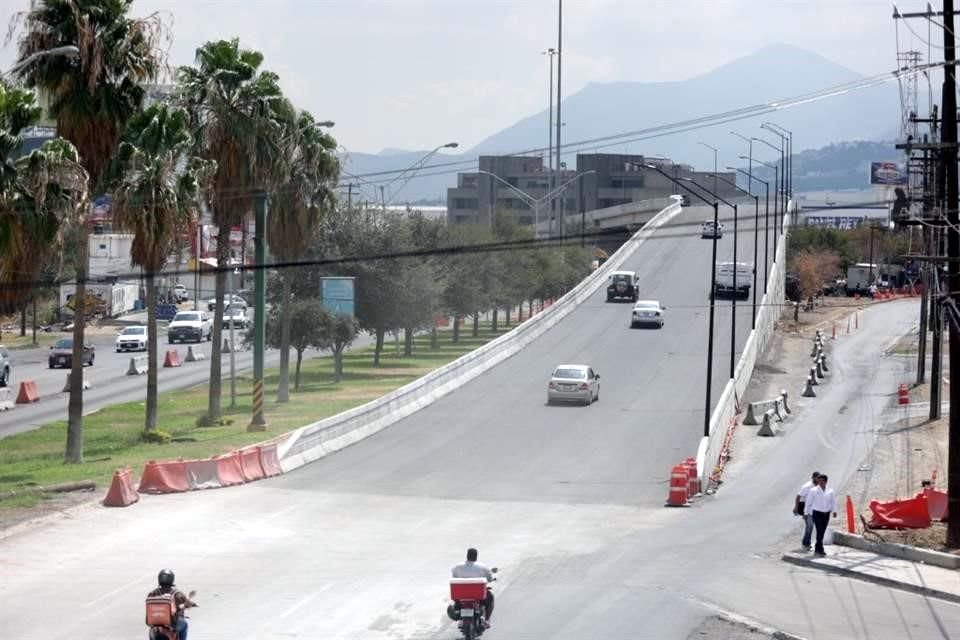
(756, 230)
(766, 232)
(714, 163)
(769, 126)
(412, 170)
(783, 177)
(776, 178)
(713, 276)
(749, 159)
(733, 298)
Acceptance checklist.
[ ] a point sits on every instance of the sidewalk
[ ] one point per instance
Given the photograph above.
(905, 575)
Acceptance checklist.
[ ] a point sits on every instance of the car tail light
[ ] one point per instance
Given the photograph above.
(583, 386)
(552, 385)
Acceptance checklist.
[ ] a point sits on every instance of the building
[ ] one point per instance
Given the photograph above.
(521, 185)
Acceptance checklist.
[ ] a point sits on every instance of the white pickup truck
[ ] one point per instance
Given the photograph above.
(734, 278)
(190, 326)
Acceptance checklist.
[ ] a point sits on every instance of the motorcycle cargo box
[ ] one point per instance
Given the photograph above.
(468, 588)
(161, 610)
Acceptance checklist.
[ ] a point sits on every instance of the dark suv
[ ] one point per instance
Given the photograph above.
(623, 284)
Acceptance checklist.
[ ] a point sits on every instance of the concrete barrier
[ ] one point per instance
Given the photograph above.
(778, 405)
(316, 440)
(769, 426)
(84, 383)
(193, 357)
(138, 366)
(6, 400)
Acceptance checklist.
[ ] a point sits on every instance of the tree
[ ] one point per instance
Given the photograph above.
(156, 187)
(303, 195)
(236, 113)
(813, 269)
(341, 330)
(91, 97)
(308, 328)
(465, 291)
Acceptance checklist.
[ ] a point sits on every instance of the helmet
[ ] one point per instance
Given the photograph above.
(165, 578)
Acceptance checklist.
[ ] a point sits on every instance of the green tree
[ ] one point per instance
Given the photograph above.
(466, 288)
(91, 97)
(156, 187)
(309, 327)
(341, 330)
(236, 113)
(303, 195)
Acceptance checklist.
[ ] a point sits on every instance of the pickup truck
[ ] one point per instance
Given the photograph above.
(726, 283)
(192, 326)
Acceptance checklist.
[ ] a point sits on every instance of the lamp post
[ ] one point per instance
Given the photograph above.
(775, 183)
(713, 275)
(756, 230)
(780, 190)
(533, 202)
(733, 298)
(749, 158)
(714, 163)
(769, 126)
(550, 52)
(412, 170)
(766, 233)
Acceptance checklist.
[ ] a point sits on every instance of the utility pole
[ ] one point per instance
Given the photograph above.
(258, 423)
(952, 203)
(559, 94)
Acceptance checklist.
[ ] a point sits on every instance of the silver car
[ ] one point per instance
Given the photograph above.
(573, 383)
(647, 312)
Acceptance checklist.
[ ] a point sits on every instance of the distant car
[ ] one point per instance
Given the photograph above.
(707, 230)
(5, 367)
(647, 312)
(685, 200)
(573, 383)
(132, 339)
(235, 316)
(623, 284)
(61, 354)
(180, 293)
(193, 326)
(228, 299)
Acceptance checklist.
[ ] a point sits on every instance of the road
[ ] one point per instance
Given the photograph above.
(109, 381)
(566, 500)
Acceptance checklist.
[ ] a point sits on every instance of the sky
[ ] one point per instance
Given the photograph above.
(415, 74)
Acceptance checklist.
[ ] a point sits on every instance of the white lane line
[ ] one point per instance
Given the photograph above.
(114, 592)
(304, 601)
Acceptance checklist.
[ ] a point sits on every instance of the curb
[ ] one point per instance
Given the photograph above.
(865, 577)
(895, 550)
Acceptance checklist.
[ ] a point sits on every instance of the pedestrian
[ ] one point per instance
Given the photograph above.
(799, 509)
(821, 502)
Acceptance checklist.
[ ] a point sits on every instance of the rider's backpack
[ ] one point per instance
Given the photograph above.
(161, 610)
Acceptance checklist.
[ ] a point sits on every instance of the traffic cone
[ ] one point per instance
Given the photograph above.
(678, 487)
(808, 391)
(813, 376)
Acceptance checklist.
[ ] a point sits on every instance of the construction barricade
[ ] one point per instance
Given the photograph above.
(250, 464)
(229, 470)
(164, 477)
(203, 474)
(28, 392)
(121, 492)
(679, 483)
(900, 514)
(936, 503)
(172, 359)
(269, 460)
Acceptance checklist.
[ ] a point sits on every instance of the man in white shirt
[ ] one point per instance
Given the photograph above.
(821, 502)
(799, 508)
(473, 569)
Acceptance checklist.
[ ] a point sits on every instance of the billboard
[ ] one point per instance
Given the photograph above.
(887, 174)
(337, 295)
(835, 222)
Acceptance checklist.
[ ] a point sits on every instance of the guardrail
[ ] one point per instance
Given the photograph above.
(316, 440)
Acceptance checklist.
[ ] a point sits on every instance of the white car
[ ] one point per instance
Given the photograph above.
(573, 383)
(132, 339)
(180, 293)
(235, 316)
(229, 299)
(647, 312)
(707, 230)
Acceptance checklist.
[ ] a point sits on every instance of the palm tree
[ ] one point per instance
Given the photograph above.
(38, 194)
(235, 111)
(91, 97)
(156, 187)
(303, 195)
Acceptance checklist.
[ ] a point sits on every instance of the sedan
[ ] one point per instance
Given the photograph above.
(133, 339)
(235, 316)
(573, 383)
(229, 299)
(710, 230)
(61, 354)
(647, 312)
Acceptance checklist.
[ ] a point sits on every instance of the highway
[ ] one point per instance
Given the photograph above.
(566, 500)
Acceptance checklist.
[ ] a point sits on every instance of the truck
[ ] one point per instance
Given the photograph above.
(859, 277)
(726, 283)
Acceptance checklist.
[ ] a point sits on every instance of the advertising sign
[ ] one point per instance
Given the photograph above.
(337, 295)
(836, 222)
(887, 173)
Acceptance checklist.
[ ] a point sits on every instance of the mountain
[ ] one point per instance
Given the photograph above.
(769, 75)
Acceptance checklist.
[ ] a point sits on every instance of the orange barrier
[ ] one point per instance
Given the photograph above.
(172, 359)
(164, 477)
(936, 504)
(677, 497)
(903, 394)
(851, 525)
(28, 392)
(693, 480)
(121, 492)
(269, 460)
(202, 474)
(250, 464)
(229, 470)
(900, 514)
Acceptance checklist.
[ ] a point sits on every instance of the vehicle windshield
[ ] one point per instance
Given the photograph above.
(233, 310)
(186, 317)
(647, 305)
(621, 277)
(570, 374)
(133, 331)
(63, 343)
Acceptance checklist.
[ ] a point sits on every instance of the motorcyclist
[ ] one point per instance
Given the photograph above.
(473, 569)
(165, 580)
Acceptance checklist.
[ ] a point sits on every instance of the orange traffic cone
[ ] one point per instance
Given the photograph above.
(678, 487)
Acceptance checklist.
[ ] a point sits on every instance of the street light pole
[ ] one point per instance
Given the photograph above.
(714, 164)
(412, 170)
(749, 159)
(788, 177)
(550, 53)
(756, 231)
(776, 178)
(766, 215)
(779, 186)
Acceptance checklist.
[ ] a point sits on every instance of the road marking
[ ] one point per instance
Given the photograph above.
(305, 601)
(114, 592)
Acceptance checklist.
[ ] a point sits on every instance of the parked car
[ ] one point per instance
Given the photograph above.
(132, 339)
(573, 383)
(235, 316)
(61, 354)
(647, 312)
(708, 230)
(684, 200)
(5, 367)
(180, 293)
(228, 299)
(193, 326)
(623, 284)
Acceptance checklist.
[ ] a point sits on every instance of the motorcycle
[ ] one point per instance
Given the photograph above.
(469, 596)
(162, 613)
